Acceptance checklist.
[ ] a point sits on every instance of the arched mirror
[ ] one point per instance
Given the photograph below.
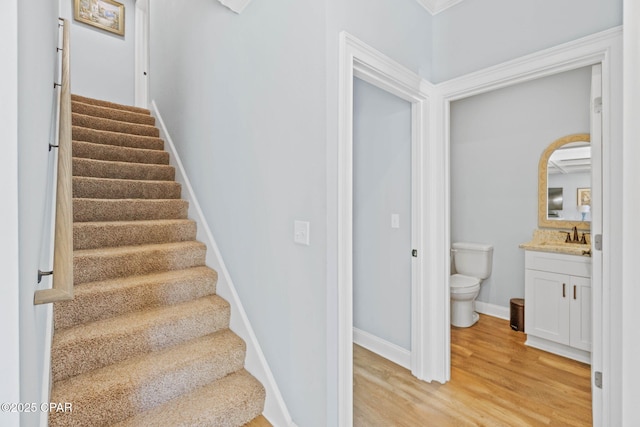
(564, 183)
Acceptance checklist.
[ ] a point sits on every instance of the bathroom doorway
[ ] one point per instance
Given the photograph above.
(585, 77)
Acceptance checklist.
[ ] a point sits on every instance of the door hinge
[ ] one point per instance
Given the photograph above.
(597, 105)
(597, 242)
(414, 253)
(597, 379)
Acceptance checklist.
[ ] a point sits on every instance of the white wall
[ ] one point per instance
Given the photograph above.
(479, 33)
(37, 39)
(381, 187)
(102, 63)
(9, 260)
(496, 142)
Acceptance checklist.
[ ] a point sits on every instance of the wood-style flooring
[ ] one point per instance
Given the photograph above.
(495, 381)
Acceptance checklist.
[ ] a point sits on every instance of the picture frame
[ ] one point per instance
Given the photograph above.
(107, 15)
(584, 196)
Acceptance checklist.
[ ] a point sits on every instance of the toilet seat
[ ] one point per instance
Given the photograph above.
(460, 283)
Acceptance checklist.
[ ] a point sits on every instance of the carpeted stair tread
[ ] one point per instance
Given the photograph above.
(109, 298)
(90, 265)
(122, 170)
(118, 139)
(114, 393)
(112, 113)
(231, 401)
(101, 234)
(90, 150)
(93, 345)
(145, 340)
(108, 188)
(108, 104)
(89, 209)
(113, 125)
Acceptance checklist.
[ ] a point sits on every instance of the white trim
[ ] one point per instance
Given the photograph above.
(360, 60)
(235, 5)
(436, 6)
(630, 386)
(388, 350)
(9, 249)
(275, 409)
(560, 349)
(602, 48)
(141, 56)
(493, 310)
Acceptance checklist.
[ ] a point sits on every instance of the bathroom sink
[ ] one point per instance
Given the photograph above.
(545, 241)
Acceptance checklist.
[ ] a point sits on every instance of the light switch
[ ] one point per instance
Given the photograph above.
(395, 221)
(301, 232)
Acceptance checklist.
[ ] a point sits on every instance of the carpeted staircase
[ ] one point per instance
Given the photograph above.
(146, 340)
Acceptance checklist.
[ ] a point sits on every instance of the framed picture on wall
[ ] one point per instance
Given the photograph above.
(584, 196)
(107, 15)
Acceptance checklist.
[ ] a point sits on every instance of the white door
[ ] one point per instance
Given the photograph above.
(548, 302)
(581, 313)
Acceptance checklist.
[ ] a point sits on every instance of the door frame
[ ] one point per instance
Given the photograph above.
(141, 55)
(602, 48)
(360, 60)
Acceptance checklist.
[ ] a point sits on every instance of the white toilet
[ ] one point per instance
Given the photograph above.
(472, 263)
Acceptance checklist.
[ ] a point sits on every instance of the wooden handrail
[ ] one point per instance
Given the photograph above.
(62, 288)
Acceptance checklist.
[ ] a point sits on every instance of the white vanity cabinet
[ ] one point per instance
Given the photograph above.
(558, 303)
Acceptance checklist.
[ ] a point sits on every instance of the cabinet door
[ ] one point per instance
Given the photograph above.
(547, 303)
(581, 313)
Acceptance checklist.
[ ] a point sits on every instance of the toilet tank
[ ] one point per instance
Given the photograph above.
(473, 259)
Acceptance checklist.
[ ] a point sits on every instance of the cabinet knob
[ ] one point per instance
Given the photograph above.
(564, 288)
(574, 291)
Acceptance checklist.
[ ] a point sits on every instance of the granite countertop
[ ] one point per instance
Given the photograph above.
(554, 241)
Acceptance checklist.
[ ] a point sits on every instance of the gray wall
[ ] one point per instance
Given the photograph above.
(244, 100)
(251, 102)
(479, 33)
(102, 63)
(381, 187)
(496, 142)
(37, 39)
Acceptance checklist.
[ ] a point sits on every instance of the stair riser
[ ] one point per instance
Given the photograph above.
(101, 235)
(122, 170)
(91, 267)
(102, 300)
(72, 358)
(107, 104)
(125, 399)
(123, 189)
(128, 209)
(116, 139)
(88, 150)
(112, 113)
(113, 125)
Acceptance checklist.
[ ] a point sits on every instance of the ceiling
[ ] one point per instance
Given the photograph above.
(437, 6)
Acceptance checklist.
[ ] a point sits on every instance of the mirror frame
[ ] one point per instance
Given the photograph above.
(543, 221)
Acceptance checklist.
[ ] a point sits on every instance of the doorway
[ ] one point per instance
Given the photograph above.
(367, 64)
(382, 222)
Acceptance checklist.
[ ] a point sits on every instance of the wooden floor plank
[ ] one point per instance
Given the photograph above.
(495, 381)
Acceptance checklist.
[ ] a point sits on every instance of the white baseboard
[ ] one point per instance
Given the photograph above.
(493, 310)
(275, 409)
(389, 351)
